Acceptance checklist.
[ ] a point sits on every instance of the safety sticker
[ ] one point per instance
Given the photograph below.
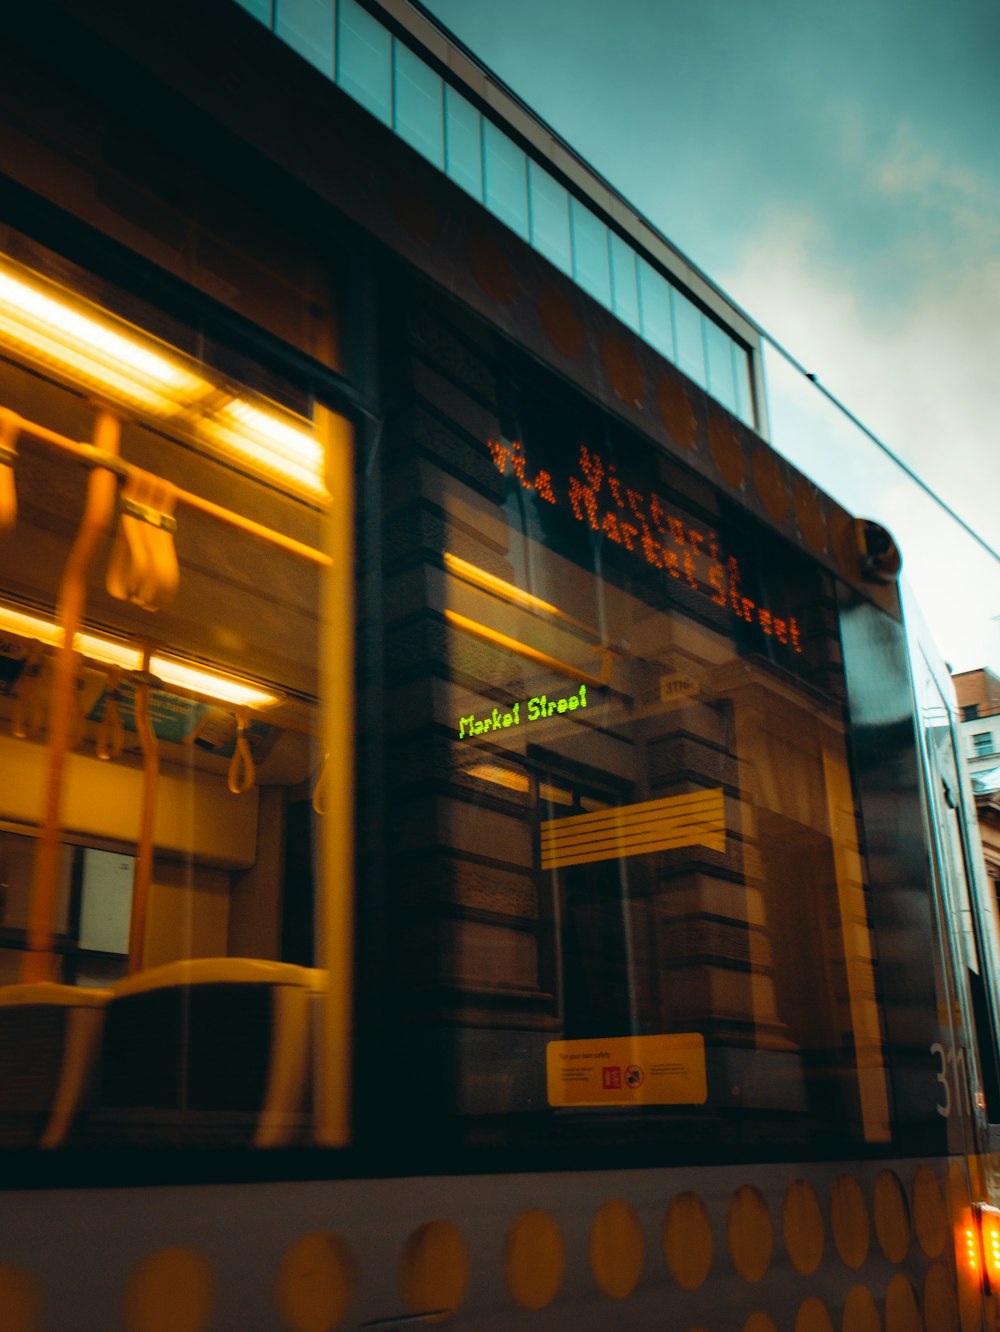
(628, 1070)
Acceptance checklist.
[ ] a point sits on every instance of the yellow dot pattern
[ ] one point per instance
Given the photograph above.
(617, 1249)
(802, 1227)
(860, 1312)
(726, 450)
(171, 1290)
(849, 1221)
(940, 1301)
(687, 1241)
(20, 1300)
(534, 1259)
(902, 1313)
(892, 1216)
(317, 1283)
(435, 1270)
(750, 1234)
(759, 1322)
(930, 1219)
(813, 1317)
(770, 485)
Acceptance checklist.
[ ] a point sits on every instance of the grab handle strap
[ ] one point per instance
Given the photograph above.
(242, 773)
(143, 568)
(110, 731)
(27, 718)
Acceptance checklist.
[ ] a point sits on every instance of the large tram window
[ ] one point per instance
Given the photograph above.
(158, 785)
(624, 875)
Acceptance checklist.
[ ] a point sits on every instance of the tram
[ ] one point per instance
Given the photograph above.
(482, 837)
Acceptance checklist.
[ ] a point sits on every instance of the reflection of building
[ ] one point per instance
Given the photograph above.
(563, 485)
(986, 785)
(978, 694)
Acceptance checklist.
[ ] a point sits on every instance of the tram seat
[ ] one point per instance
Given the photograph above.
(212, 1050)
(49, 1039)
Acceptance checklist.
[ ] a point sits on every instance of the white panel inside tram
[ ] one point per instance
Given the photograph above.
(648, 737)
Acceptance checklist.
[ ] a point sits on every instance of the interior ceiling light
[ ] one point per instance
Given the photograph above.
(220, 688)
(29, 627)
(66, 334)
(45, 325)
(269, 441)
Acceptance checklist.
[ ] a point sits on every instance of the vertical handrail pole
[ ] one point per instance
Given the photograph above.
(95, 527)
(335, 914)
(143, 875)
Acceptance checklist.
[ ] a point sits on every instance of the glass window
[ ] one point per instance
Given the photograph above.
(419, 105)
(656, 314)
(690, 337)
(505, 173)
(741, 379)
(260, 9)
(624, 284)
(463, 143)
(307, 27)
(591, 266)
(157, 927)
(549, 217)
(631, 773)
(982, 743)
(718, 347)
(364, 60)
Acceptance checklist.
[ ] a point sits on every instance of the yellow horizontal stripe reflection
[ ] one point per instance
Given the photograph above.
(696, 819)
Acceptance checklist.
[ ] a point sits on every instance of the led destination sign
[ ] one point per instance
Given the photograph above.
(640, 522)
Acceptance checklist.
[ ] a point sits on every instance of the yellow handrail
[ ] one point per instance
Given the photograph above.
(93, 455)
(143, 876)
(102, 491)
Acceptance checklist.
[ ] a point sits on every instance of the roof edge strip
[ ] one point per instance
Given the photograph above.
(435, 38)
(514, 113)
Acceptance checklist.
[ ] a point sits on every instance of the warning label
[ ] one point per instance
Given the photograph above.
(627, 1070)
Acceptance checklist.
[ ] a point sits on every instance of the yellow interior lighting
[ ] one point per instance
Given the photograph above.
(471, 573)
(29, 627)
(79, 342)
(269, 441)
(206, 684)
(511, 780)
(499, 587)
(223, 688)
(496, 775)
(66, 334)
(107, 653)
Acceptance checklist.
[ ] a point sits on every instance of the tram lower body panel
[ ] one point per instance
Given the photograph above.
(850, 1245)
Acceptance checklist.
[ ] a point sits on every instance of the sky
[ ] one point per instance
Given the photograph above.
(835, 168)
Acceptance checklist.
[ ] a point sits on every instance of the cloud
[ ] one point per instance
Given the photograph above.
(900, 319)
(911, 171)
